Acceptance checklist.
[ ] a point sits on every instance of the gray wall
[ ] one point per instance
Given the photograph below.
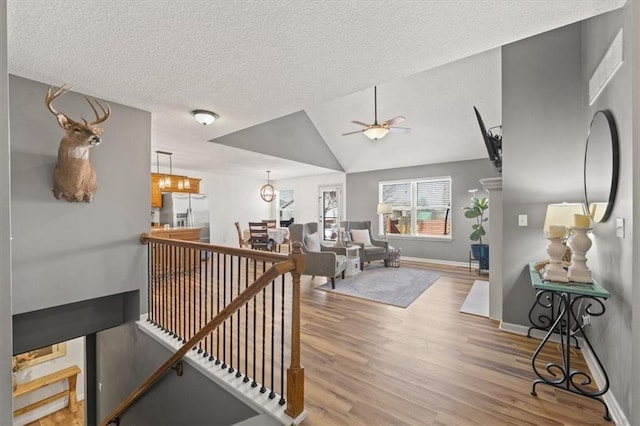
(635, 83)
(67, 252)
(188, 400)
(6, 400)
(362, 200)
(610, 258)
(545, 122)
(542, 129)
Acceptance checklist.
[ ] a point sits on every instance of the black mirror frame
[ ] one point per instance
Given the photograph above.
(615, 171)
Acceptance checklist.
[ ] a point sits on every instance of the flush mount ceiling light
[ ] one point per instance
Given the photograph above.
(268, 192)
(204, 117)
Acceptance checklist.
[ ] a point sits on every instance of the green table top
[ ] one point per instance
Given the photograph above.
(595, 289)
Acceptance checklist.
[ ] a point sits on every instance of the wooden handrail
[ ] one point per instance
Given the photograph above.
(289, 264)
(232, 251)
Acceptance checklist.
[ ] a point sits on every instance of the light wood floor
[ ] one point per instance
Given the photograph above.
(371, 364)
(62, 417)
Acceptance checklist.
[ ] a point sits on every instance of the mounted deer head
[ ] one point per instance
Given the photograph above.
(74, 178)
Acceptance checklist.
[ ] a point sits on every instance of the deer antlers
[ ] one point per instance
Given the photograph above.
(63, 119)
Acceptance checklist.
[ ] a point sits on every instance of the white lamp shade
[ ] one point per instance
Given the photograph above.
(204, 117)
(562, 215)
(596, 211)
(376, 132)
(385, 208)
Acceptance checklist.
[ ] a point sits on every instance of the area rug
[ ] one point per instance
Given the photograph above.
(477, 301)
(391, 286)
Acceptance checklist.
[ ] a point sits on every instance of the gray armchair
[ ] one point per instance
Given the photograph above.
(378, 250)
(322, 262)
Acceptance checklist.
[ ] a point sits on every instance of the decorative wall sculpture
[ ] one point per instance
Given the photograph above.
(74, 178)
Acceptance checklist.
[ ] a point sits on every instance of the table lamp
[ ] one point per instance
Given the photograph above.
(385, 209)
(580, 243)
(557, 222)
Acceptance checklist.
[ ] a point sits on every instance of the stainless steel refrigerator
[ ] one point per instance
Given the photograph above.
(182, 210)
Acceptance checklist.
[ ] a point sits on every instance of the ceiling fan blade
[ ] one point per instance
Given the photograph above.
(353, 133)
(394, 120)
(400, 129)
(360, 123)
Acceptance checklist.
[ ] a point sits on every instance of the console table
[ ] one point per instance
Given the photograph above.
(566, 303)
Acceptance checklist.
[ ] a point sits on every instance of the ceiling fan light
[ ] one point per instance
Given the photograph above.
(376, 132)
(204, 117)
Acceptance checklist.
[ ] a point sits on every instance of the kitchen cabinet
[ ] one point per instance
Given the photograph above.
(187, 234)
(170, 260)
(156, 192)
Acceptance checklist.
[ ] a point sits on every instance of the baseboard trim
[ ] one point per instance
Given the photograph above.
(615, 411)
(436, 261)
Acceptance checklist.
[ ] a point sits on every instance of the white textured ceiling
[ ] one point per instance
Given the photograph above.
(252, 61)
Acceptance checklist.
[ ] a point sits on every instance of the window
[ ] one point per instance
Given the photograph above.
(421, 207)
(286, 207)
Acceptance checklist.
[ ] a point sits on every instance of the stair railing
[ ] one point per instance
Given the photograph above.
(191, 282)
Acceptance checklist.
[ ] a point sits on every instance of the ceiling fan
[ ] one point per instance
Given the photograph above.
(377, 130)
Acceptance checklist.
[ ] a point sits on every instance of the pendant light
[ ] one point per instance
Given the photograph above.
(161, 180)
(167, 179)
(268, 192)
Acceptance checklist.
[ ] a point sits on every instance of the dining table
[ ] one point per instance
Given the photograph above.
(279, 235)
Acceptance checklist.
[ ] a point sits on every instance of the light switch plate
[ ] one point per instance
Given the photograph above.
(619, 227)
(522, 220)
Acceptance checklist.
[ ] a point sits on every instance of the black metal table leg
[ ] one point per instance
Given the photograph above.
(562, 376)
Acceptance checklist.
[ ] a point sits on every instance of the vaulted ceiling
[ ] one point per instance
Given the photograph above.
(255, 61)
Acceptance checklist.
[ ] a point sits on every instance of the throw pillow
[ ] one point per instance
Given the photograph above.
(360, 236)
(312, 241)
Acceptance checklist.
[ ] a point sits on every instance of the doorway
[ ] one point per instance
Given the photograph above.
(330, 211)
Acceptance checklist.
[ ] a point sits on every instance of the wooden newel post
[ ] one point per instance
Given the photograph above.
(295, 372)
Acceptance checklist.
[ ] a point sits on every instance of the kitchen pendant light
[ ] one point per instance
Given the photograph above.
(268, 192)
(167, 179)
(182, 183)
(164, 181)
(161, 184)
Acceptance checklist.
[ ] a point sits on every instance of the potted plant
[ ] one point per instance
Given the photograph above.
(476, 211)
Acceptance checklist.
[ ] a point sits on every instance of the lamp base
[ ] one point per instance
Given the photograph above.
(552, 273)
(580, 243)
(554, 270)
(580, 276)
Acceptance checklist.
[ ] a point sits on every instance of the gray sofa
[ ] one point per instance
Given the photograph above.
(377, 250)
(323, 262)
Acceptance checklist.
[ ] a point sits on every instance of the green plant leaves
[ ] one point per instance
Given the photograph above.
(476, 211)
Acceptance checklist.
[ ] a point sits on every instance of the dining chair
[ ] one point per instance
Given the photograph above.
(241, 241)
(259, 236)
(272, 224)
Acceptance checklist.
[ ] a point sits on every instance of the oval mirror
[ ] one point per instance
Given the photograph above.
(601, 166)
